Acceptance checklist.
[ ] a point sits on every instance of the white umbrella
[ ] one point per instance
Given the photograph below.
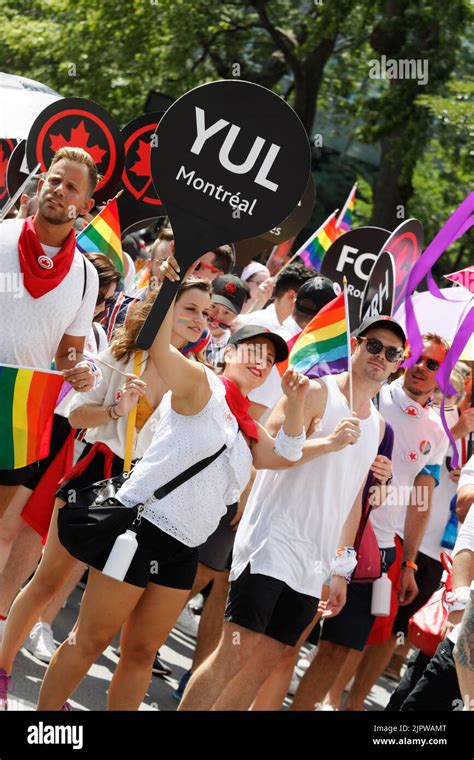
(21, 100)
(441, 317)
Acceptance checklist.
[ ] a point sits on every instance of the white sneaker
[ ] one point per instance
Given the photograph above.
(188, 622)
(2, 628)
(307, 659)
(41, 642)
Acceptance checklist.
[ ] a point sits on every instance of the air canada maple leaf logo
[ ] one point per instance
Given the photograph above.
(79, 138)
(141, 167)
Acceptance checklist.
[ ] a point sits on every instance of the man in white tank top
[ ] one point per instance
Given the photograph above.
(293, 524)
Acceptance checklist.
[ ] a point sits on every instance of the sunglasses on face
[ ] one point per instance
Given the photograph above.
(202, 265)
(431, 364)
(375, 346)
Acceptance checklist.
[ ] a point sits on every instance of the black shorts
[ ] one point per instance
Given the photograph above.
(267, 605)
(351, 627)
(215, 552)
(159, 559)
(31, 475)
(92, 474)
(428, 578)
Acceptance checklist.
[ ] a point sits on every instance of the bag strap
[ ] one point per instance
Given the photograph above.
(160, 493)
(85, 278)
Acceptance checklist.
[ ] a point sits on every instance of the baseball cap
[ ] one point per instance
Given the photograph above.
(253, 331)
(382, 320)
(316, 293)
(229, 291)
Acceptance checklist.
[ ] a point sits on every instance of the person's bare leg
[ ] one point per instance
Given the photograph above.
(235, 647)
(55, 567)
(106, 604)
(319, 676)
(21, 563)
(240, 692)
(348, 668)
(212, 620)
(13, 495)
(11, 521)
(56, 604)
(273, 692)
(144, 631)
(204, 575)
(374, 661)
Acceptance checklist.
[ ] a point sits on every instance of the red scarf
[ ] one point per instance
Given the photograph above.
(37, 279)
(239, 406)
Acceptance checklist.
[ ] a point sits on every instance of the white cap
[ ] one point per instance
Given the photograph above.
(252, 269)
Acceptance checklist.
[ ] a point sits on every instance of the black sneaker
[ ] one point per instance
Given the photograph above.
(159, 668)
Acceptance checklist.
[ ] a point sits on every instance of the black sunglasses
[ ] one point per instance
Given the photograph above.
(375, 346)
(431, 364)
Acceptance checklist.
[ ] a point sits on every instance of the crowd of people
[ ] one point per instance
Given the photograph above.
(260, 487)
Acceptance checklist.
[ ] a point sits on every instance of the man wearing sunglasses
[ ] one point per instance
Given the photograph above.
(419, 449)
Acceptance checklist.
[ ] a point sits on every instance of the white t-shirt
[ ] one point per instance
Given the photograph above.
(465, 540)
(263, 318)
(32, 328)
(467, 474)
(270, 392)
(419, 440)
(442, 495)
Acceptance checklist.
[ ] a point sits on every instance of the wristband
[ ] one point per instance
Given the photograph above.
(344, 562)
(111, 411)
(289, 447)
(410, 564)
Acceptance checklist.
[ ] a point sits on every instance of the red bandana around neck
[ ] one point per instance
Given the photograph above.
(39, 279)
(239, 406)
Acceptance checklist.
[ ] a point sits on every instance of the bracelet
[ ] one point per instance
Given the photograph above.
(289, 447)
(410, 564)
(111, 411)
(384, 483)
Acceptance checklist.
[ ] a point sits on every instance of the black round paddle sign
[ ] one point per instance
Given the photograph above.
(379, 292)
(405, 244)
(232, 161)
(245, 250)
(139, 204)
(6, 149)
(354, 255)
(79, 123)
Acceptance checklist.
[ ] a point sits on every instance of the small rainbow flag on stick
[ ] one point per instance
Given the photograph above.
(344, 221)
(102, 235)
(322, 348)
(27, 401)
(314, 250)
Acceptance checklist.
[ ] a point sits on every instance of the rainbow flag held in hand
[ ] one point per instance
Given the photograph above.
(102, 235)
(344, 221)
(314, 250)
(322, 348)
(27, 401)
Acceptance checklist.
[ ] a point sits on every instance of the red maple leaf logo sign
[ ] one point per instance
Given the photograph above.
(79, 139)
(142, 167)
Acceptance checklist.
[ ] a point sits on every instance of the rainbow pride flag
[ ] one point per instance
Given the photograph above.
(322, 348)
(27, 401)
(102, 235)
(314, 250)
(344, 221)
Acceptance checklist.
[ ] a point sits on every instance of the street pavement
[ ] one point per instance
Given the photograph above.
(92, 692)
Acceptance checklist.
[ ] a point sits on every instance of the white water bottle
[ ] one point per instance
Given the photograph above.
(381, 596)
(121, 555)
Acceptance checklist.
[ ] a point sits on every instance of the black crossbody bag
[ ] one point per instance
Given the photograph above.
(89, 526)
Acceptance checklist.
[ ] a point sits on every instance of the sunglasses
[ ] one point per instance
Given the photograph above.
(202, 265)
(431, 364)
(375, 346)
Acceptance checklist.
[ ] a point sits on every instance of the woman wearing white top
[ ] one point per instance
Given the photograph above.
(197, 417)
